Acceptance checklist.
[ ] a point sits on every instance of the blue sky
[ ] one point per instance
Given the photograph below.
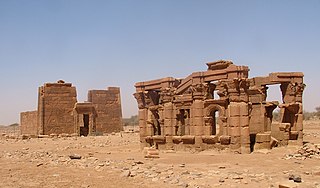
(95, 44)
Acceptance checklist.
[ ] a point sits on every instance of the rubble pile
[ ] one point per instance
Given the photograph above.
(308, 150)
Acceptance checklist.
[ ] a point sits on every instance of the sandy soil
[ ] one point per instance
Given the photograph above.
(116, 161)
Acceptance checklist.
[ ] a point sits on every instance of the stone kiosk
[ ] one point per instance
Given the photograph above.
(219, 108)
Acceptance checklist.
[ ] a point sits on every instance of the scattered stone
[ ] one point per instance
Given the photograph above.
(221, 180)
(308, 150)
(316, 173)
(237, 177)
(39, 164)
(185, 172)
(75, 156)
(155, 179)
(295, 178)
(43, 136)
(125, 173)
(288, 185)
(222, 167)
(151, 152)
(101, 164)
(138, 162)
(184, 185)
(133, 173)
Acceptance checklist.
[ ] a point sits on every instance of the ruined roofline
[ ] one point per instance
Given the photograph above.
(157, 84)
(287, 74)
(153, 82)
(59, 83)
(278, 78)
(108, 89)
(219, 70)
(218, 65)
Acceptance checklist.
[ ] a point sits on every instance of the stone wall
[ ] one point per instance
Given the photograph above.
(55, 108)
(28, 122)
(108, 107)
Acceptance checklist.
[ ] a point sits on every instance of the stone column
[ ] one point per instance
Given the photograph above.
(142, 126)
(299, 124)
(91, 125)
(149, 127)
(197, 116)
(169, 119)
(76, 122)
(40, 110)
(238, 117)
(161, 120)
(169, 122)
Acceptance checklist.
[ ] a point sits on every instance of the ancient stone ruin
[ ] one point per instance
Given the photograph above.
(60, 113)
(220, 108)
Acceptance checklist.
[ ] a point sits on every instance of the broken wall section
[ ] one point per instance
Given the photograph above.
(29, 122)
(108, 107)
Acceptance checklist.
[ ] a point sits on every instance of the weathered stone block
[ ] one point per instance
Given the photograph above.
(210, 139)
(198, 121)
(263, 137)
(263, 145)
(234, 110)
(234, 121)
(197, 112)
(244, 121)
(234, 131)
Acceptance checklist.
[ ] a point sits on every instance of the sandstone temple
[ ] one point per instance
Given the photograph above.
(60, 113)
(220, 108)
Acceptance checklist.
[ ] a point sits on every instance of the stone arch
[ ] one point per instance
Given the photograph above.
(212, 120)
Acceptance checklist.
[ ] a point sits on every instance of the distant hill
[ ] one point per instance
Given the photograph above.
(132, 121)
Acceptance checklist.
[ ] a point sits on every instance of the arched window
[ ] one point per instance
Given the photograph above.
(215, 122)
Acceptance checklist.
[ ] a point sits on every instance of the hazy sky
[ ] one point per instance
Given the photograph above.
(95, 44)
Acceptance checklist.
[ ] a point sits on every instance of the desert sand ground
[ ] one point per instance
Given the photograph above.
(116, 160)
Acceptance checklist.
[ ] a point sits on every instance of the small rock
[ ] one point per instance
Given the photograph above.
(316, 173)
(133, 174)
(75, 156)
(185, 172)
(39, 164)
(287, 185)
(155, 179)
(138, 162)
(184, 185)
(297, 179)
(125, 173)
(101, 164)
